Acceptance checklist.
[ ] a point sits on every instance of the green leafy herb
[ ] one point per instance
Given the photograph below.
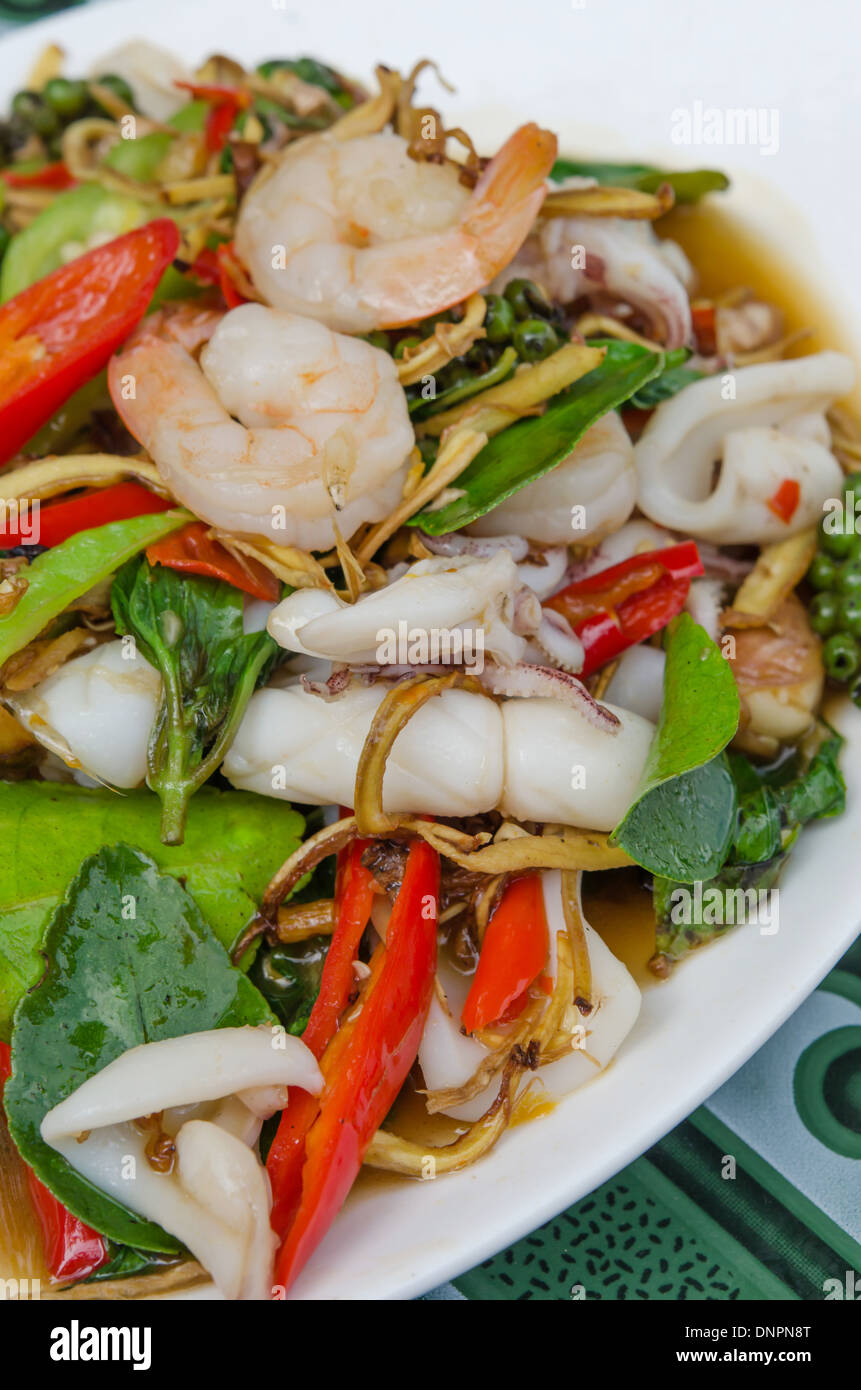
(530, 448)
(191, 630)
(773, 804)
(66, 571)
(124, 1261)
(462, 386)
(674, 378)
(682, 819)
(313, 71)
(234, 842)
(130, 960)
(689, 185)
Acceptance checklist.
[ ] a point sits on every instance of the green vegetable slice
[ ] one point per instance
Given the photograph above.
(71, 224)
(234, 843)
(530, 448)
(139, 158)
(130, 960)
(67, 571)
(689, 185)
(682, 820)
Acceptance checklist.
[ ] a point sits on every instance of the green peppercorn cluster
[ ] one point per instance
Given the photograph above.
(520, 325)
(46, 114)
(835, 575)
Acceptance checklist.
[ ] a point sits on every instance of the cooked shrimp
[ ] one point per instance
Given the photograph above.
(360, 236)
(321, 430)
(779, 673)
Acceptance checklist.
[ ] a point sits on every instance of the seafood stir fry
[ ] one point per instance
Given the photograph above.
(402, 545)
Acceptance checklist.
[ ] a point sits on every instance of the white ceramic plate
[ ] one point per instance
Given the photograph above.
(610, 77)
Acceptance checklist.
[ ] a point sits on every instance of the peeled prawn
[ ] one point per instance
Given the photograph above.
(462, 754)
(780, 677)
(588, 495)
(772, 430)
(321, 432)
(359, 235)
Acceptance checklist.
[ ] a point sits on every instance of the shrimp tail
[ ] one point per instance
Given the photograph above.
(507, 197)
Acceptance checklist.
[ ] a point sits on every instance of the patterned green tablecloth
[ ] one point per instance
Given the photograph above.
(757, 1195)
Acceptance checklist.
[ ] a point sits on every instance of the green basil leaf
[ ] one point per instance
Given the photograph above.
(682, 820)
(234, 843)
(191, 630)
(674, 378)
(130, 960)
(688, 916)
(530, 448)
(774, 803)
(689, 185)
(758, 836)
(820, 791)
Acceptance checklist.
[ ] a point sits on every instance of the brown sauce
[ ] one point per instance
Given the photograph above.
(726, 253)
(619, 907)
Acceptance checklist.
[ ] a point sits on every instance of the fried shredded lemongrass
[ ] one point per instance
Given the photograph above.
(604, 201)
(27, 199)
(603, 326)
(598, 689)
(546, 1020)
(501, 1045)
(49, 476)
(845, 437)
(199, 190)
(394, 713)
(772, 352)
(180, 1274)
(113, 104)
(40, 659)
(456, 452)
(330, 840)
(485, 901)
(576, 849)
(448, 340)
(297, 923)
(492, 410)
(354, 574)
(48, 64)
(83, 147)
(778, 569)
(373, 115)
(287, 562)
(13, 586)
(571, 905)
(396, 1155)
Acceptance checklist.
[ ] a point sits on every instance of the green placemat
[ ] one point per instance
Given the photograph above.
(756, 1196)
